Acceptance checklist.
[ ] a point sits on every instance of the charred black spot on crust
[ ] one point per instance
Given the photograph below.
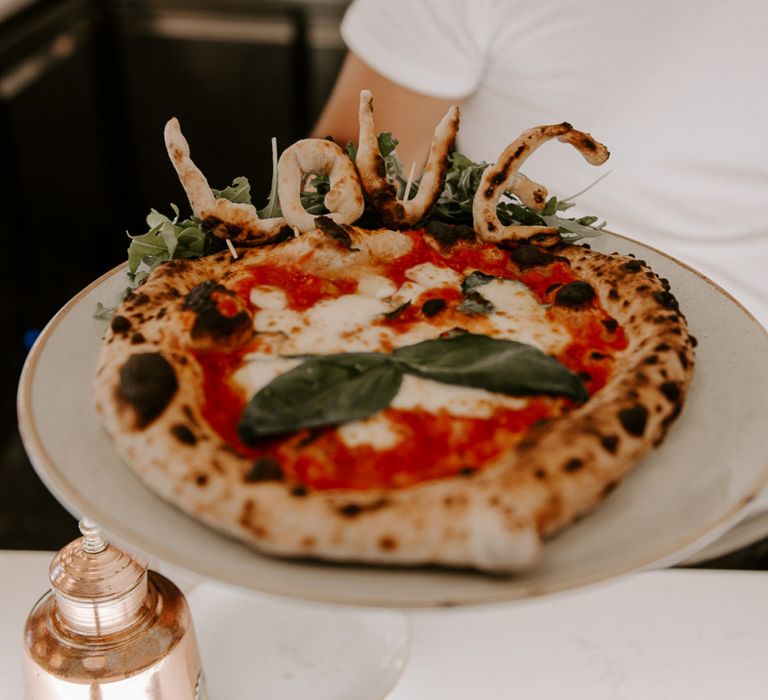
(447, 235)
(336, 231)
(189, 414)
(183, 434)
(265, 468)
(671, 390)
(665, 283)
(662, 347)
(160, 313)
(467, 471)
(643, 288)
(201, 479)
(609, 488)
(613, 293)
(141, 299)
(299, 491)
(284, 234)
(527, 255)
(432, 307)
(491, 226)
(694, 341)
(147, 383)
(388, 543)
(575, 294)
(573, 465)
(634, 419)
(667, 300)
(673, 415)
(352, 510)
(209, 320)
(683, 359)
(129, 295)
(651, 360)
(380, 166)
(611, 324)
(632, 266)
(120, 324)
(610, 443)
(553, 287)
(595, 355)
(540, 473)
(137, 339)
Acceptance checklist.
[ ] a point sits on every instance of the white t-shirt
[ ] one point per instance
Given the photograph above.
(677, 90)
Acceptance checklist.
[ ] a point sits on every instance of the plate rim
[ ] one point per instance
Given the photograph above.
(45, 466)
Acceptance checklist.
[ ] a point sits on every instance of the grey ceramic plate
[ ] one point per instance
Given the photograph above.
(686, 493)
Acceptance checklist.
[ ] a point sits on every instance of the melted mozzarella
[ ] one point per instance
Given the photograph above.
(259, 370)
(376, 286)
(265, 297)
(417, 394)
(433, 277)
(376, 432)
(519, 316)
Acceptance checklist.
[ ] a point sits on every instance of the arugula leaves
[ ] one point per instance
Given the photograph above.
(169, 238)
(333, 389)
(461, 183)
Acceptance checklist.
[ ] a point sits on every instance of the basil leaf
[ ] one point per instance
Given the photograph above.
(239, 191)
(503, 366)
(322, 391)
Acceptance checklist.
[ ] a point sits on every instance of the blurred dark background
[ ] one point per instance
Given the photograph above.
(86, 87)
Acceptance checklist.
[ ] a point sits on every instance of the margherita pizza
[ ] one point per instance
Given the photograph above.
(414, 393)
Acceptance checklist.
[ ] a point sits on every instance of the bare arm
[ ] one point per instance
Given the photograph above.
(410, 116)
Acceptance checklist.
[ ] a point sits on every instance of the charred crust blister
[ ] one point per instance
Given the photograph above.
(265, 468)
(183, 434)
(667, 300)
(432, 307)
(610, 443)
(120, 324)
(575, 294)
(209, 319)
(632, 266)
(147, 383)
(447, 235)
(352, 510)
(671, 391)
(634, 419)
(573, 465)
(527, 255)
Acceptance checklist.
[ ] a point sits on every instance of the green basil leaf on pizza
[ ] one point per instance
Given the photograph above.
(322, 391)
(503, 366)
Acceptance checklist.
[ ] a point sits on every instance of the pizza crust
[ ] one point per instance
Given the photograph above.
(493, 520)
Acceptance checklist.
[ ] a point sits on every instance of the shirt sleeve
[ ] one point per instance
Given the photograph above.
(435, 47)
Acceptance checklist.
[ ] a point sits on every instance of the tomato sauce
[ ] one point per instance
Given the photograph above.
(303, 290)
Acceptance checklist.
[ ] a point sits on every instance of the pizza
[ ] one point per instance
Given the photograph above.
(417, 392)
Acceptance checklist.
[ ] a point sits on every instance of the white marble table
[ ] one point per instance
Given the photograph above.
(666, 634)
